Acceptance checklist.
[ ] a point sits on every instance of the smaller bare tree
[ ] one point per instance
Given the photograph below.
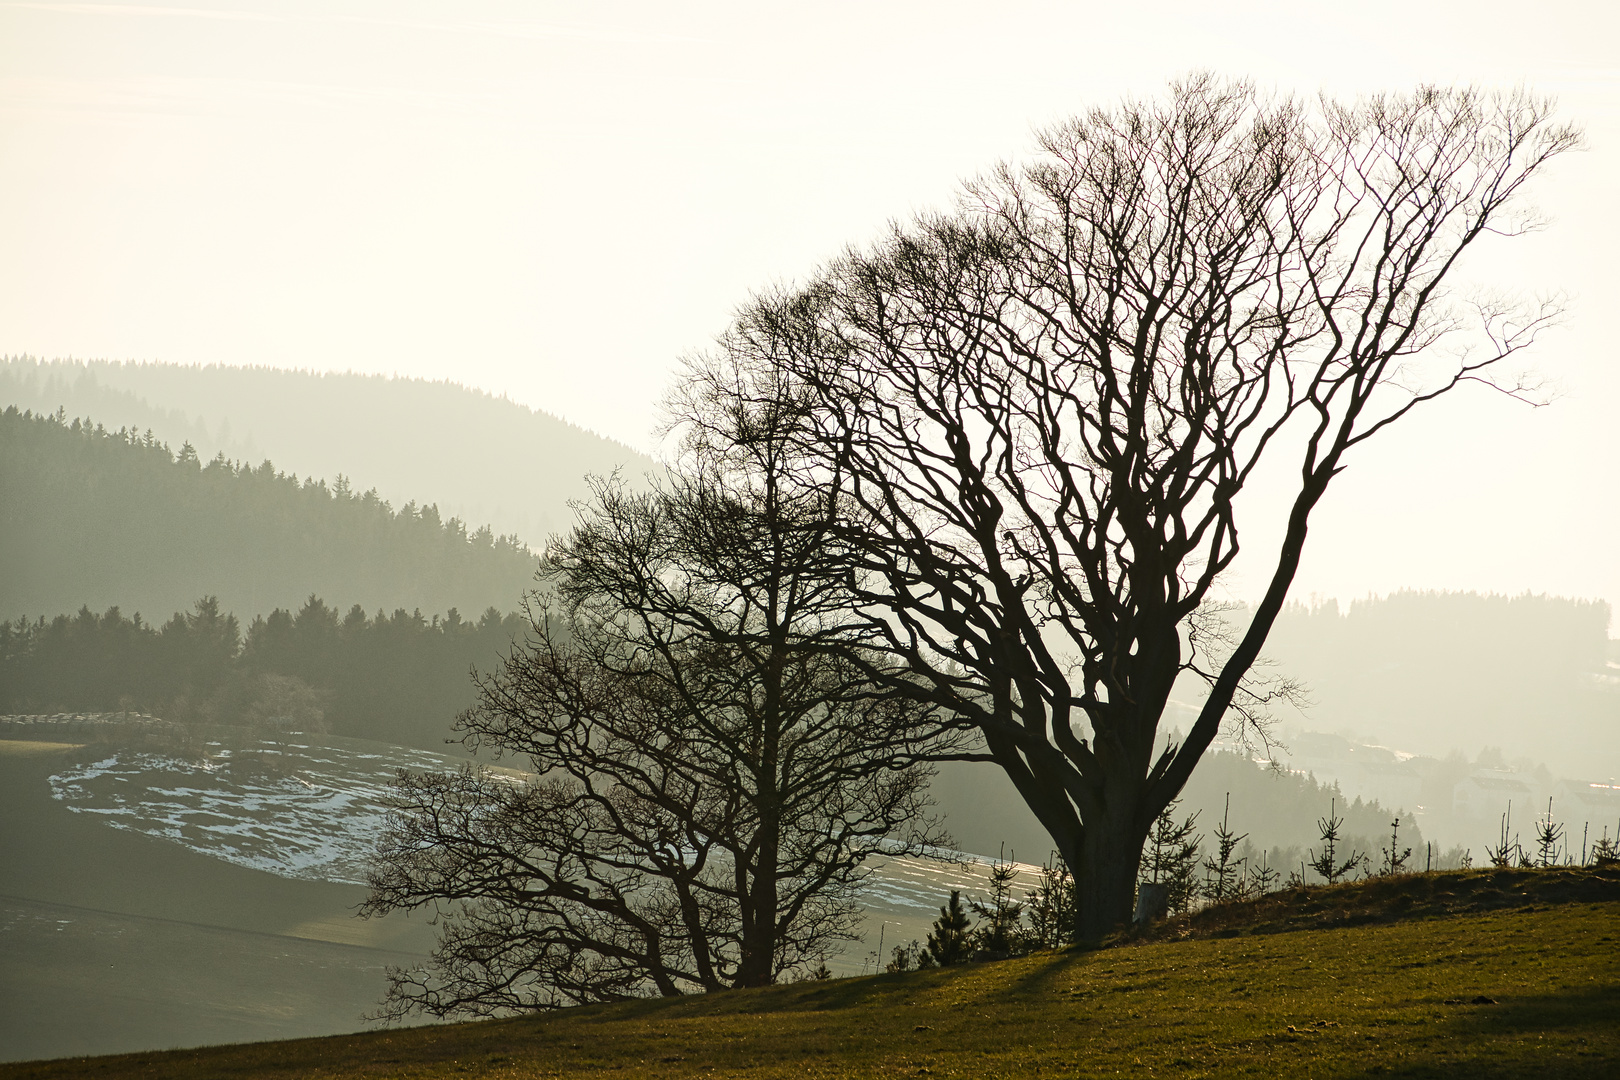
(710, 779)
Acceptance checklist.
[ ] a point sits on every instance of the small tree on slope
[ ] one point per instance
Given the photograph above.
(951, 940)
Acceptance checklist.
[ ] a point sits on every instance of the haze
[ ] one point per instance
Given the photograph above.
(554, 202)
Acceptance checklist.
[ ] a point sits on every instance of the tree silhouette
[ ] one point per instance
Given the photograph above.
(1035, 415)
(710, 777)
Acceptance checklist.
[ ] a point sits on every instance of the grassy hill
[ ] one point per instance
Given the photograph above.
(1526, 991)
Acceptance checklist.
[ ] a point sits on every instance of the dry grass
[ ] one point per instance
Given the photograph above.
(1392, 899)
(1533, 991)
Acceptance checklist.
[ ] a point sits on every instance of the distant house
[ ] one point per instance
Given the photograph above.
(1593, 801)
(1487, 792)
(1362, 771)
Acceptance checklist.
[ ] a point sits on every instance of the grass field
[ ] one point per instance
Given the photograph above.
(1528, 992)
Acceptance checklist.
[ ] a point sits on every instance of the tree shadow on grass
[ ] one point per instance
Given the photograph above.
(1478, 1027)
(1596, 1007)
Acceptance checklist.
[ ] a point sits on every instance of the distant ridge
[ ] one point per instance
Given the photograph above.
(479, 457)
(108, 518)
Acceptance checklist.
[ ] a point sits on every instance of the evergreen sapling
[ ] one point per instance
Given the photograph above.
(998, 933)
(1223, 875)
(1171, 858)
(951, 941)
(1549, 834)
(1051, 906)
(1395, 860)
(1327, 864)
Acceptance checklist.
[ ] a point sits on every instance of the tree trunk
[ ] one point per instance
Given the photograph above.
(1105, 880)
(756, 965)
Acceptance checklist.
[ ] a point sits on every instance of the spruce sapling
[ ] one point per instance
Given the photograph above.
(1605, 852)
(907, 957)
(1171, 858)
(1223, 875)
(1327, 864)
(1548, 836)
(1501, 856)
(1263, 878)
(998, 933)
(1052, 906)
(1395, 863)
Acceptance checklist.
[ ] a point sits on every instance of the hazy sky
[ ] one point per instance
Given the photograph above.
(555, 201)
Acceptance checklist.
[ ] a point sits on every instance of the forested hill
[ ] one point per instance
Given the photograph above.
(102, 518)
(479, 457)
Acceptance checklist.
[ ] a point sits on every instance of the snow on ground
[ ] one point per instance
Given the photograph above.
(319, 821)
(319, 817)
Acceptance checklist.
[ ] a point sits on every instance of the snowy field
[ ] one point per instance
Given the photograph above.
(317, 814)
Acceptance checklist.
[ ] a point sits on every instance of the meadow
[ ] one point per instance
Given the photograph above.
(1501, 984)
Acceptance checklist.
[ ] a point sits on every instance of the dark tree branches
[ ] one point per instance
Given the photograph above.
(1030, 420)
(714, 759)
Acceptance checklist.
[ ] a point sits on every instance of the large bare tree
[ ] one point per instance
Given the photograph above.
(1032, 418)
(711, 773)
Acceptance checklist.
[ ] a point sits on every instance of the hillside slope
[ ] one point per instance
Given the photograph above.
(478, 457)
(101, 518)
(112, 940)
(1525, 993)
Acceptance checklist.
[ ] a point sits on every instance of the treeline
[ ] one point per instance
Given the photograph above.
(400, 678)
(1275, 809)
(100, 517)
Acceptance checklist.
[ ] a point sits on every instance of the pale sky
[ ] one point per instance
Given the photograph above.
(555, 201)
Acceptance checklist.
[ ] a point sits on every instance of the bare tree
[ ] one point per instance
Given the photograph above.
(1034, 416)
(711, 777)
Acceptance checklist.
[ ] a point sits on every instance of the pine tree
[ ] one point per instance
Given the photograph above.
(1549, 834)
(907, 957)
(1394, 860)
(1262, 878)
(1171, 858)
(1502, 854)
(1605, 852)
(1052, 906)
(951, 941)
(1223, 875)
(998, 931)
